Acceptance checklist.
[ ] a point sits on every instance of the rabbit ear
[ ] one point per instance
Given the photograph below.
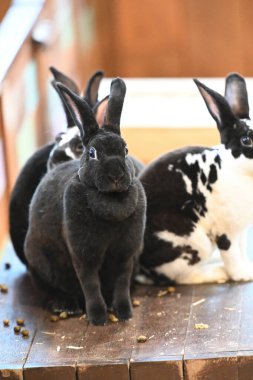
(81, 113)
(237, 96)
(62, 78)
(115, 105)
(100, 110)
(70, 121)
(218, 108)
(91, 91)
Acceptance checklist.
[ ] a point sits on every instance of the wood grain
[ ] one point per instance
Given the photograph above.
(170, 39)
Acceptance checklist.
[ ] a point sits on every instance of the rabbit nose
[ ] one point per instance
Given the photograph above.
(115, 178)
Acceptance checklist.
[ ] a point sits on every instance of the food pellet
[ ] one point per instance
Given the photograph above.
(113, 318)
(142, 339)
(171, 289)
(25, 333)
(63, 315)
(136, 303)
(17, 329)
(54, 318)
(6, 323)
(20, 322)
(201, 326)
(3, 288)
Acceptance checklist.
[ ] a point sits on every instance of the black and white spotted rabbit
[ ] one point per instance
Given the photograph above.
(199, 198)
(67, 146)
(87, 218)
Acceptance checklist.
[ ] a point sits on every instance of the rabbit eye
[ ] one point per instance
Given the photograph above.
(246, 141)
(126, 151)
(93, 153)
(79, 147)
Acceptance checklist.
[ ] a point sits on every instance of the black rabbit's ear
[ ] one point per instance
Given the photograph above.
(115, 105)
(218, 108)
(81, 113)
(237, 96)
(91, 91)
(70, 121)
(100, 110)
(62, 78)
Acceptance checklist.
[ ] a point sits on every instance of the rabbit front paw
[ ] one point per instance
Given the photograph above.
(242, 273)
(123, 309)
(96, 313)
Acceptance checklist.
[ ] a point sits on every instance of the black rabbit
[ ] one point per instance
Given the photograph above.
(199, 199)
(67, 145)
(87, 218)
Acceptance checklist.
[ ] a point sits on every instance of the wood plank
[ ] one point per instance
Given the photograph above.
(220, 366)
(110, 370)
(221, 311)
(165, 326)
(108, 348)
(11, 41)
(21, 301)
(214, 350)
(167, 367)
(55, 349)
(245, 365)
(245, 348)
(48, 372)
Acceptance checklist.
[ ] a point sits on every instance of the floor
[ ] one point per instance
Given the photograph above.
(175, 349)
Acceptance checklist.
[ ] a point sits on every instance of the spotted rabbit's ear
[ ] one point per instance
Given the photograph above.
(81, 113)
(219, 110)
(237, 96)
(115, 105)
(68, 82)
(91, 91)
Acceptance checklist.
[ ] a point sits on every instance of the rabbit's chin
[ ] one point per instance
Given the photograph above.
(113, 188)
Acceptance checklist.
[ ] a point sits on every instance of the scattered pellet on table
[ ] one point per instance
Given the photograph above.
(25, 333)
(54, 318)
(171, 289)
(17, 329)
(6, 322)
(136, 303)
(3, 288)
(201, 326)
(142, 339)
(20, 322)
(7, 266)
(63, 315)
(162, 293)
(113, 318)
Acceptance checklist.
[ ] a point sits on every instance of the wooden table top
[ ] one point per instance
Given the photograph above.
(175, 349)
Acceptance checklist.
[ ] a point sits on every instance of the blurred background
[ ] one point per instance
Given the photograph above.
(170, 39)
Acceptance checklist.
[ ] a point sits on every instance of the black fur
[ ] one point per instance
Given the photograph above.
(25, 186)
(223, 242)
(87, 217)
(165, 211)
(35, 168)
